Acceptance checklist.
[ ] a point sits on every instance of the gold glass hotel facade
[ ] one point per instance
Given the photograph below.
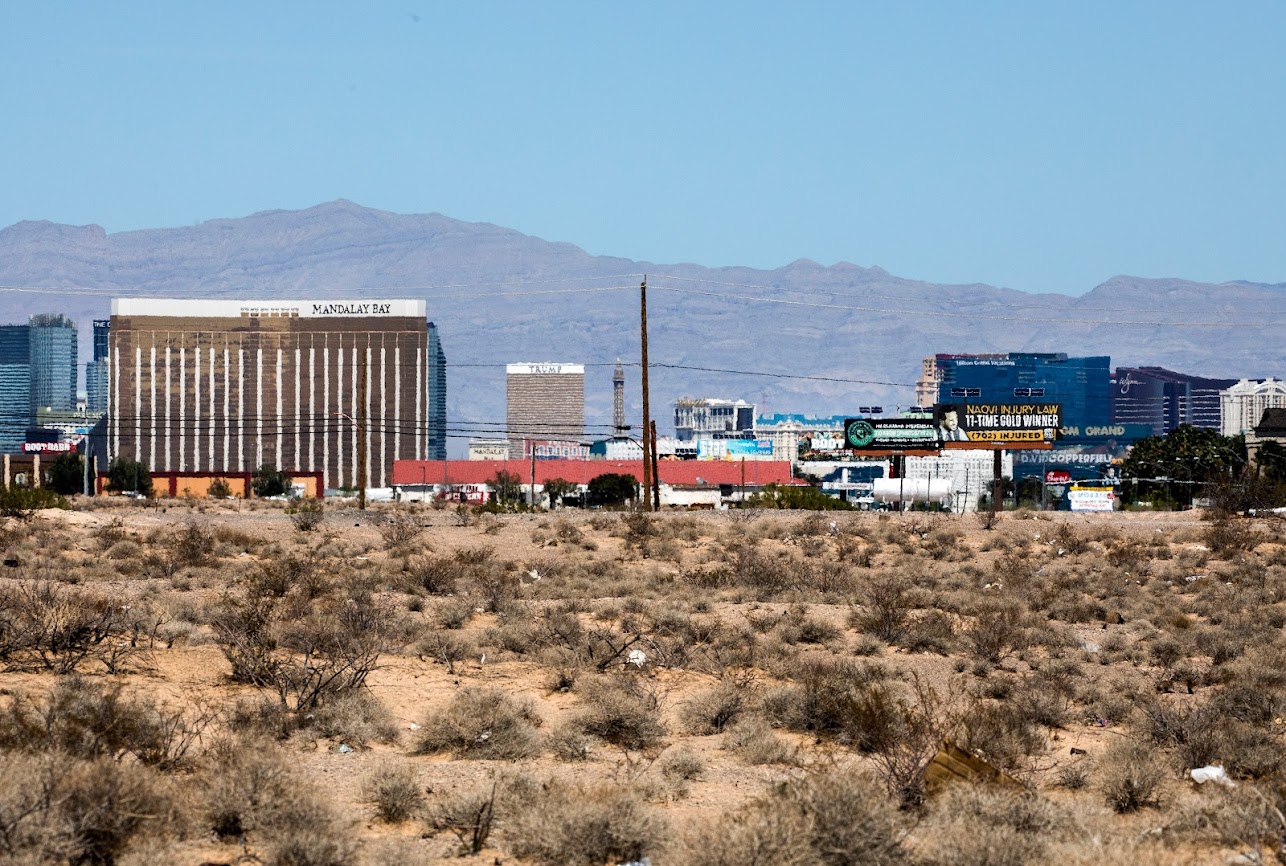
(209, 386)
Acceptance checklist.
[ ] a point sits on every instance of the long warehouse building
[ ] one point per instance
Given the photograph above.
(212, 386)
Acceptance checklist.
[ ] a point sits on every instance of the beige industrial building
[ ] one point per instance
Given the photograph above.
(544, 402)
(214, 386)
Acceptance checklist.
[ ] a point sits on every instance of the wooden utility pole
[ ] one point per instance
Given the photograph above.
(656, 473)
(647, 412)
(361, 432)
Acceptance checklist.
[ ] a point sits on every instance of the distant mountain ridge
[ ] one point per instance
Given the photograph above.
(499, 296)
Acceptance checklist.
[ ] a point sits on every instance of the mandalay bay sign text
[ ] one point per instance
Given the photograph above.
(998, 422)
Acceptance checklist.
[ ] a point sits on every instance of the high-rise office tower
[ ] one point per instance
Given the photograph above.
(1081, 385)
(544, 402)
(228, 386)
(53, 362)
(15, 386)
(96, 370)
(436, 443)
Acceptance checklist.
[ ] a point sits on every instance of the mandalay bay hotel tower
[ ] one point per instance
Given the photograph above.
(213, 386)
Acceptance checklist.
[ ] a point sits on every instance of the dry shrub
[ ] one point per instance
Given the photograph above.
(1071, 541)
(1130, 773)
(888, 600)
(1001, 733)
(355, 717)
(838, 697)
(435, 575)
(621, 710)
(307, 514)
(470, 816)
(56, 809)
(447, 647)
(399, 529)
(711, 711)
(835, 819)
(1230, 536)
(47, 626)
(974, 825)
(249, 788)
(309, 650)
(561, 824)
(998, 629)
(88, 719)
(481, 723)
(394, 793)
(754, 740)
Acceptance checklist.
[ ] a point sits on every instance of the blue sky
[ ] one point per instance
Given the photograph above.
(1041, 146)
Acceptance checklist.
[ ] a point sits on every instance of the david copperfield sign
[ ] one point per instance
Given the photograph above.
(998, 422)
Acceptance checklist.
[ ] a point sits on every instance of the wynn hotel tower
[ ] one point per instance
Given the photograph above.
(210, 386)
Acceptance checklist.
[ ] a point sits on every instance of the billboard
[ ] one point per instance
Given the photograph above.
(720, 449)
(877, 434)
(997, 422)
(1092, 498)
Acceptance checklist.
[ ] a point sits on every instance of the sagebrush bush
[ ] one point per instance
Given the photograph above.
(394, 793)
(714, 709)
(570, 825)
(622, 711)
(977, 825)
(834, 818)
(1130, 773)
(91, 719)
(481, 723)
(59, 809)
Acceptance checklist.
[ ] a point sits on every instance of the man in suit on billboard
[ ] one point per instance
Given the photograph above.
(949, 425)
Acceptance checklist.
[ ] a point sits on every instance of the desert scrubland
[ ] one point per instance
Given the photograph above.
(198, 683)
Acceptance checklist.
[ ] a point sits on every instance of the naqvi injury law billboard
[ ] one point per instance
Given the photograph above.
(997, 422)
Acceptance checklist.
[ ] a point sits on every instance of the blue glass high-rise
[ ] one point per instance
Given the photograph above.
(1081, 385)
(436, 440)
(15, 386)
(53, 362)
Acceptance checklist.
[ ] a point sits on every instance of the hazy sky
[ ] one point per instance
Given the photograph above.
(1041, 146)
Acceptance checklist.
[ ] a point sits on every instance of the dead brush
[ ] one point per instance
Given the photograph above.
(1230, 536)
(1130, 774)
(888, 599)
(394, 793)
(562, 824)
(399, 528)
(827, 818)
(622, 710)
(714, 709)
(481, 724)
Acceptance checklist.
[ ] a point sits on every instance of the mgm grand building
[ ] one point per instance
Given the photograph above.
(228, 386)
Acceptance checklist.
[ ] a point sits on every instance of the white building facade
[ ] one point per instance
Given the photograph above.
(1242, 405)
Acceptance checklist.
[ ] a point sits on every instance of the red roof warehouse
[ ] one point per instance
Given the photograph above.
(673, 472)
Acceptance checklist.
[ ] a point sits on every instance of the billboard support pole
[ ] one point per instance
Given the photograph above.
(996, 464)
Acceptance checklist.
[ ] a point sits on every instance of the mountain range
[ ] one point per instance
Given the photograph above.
(500, 296)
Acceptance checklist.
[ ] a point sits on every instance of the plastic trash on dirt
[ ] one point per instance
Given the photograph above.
(1212, 773)
(637, 657)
